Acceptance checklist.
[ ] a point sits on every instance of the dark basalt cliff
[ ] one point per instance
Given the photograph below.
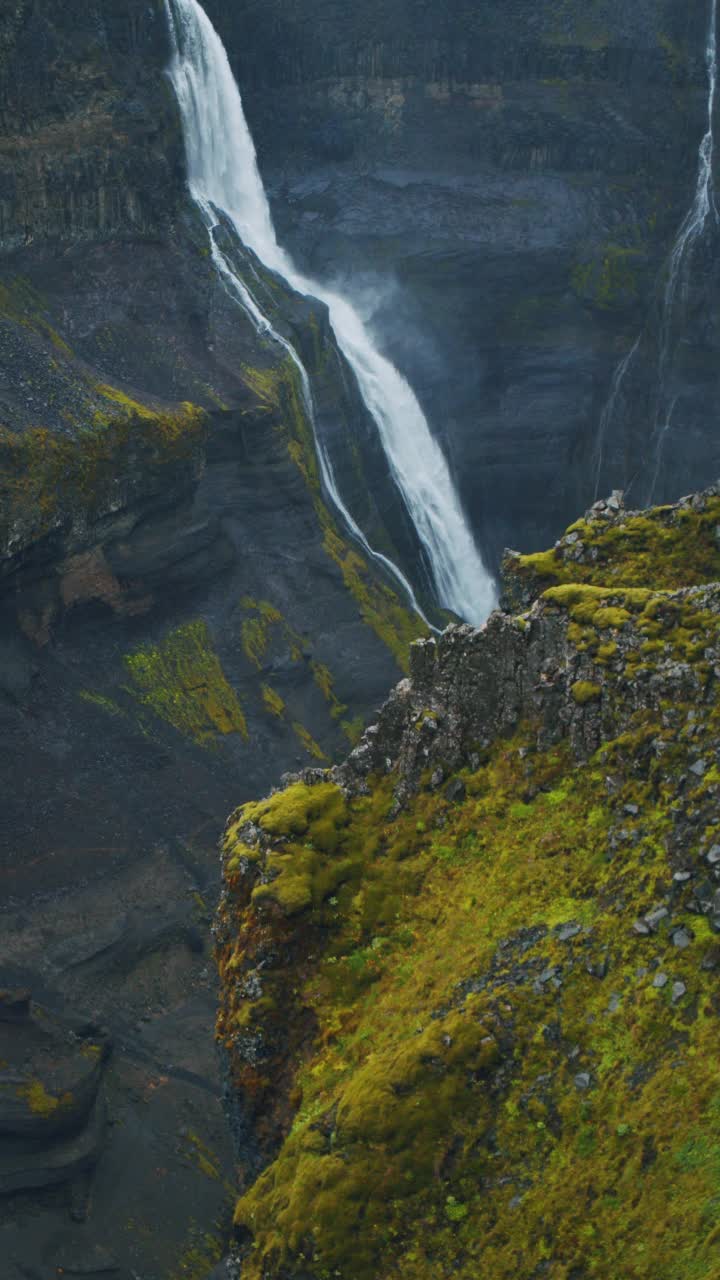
(469, 977)
(503, 183)
(89, 145)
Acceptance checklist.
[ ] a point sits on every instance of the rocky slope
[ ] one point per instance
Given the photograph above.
(503, 183)
(469, 977)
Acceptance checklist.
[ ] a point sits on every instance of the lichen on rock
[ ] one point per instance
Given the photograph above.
(468, 976)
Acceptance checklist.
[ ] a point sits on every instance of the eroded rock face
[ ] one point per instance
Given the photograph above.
(52, 1111)
(90, 147)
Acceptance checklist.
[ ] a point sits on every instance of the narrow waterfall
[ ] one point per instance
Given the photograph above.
(608, 414)
(689, 233)
(691, 230)
(223, 175)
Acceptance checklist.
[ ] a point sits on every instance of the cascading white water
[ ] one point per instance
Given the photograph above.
(608, 412)
(223, 175)
(691, 230)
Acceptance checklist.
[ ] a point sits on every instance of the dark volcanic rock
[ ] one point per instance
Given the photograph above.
(52, 1117)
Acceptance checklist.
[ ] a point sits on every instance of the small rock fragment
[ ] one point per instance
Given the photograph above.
(682, 937)
(455, 791)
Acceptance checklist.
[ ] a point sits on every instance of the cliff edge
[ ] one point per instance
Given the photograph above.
(469, 977)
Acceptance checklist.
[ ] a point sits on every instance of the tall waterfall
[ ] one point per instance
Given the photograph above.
(691, 230)
(223, 175)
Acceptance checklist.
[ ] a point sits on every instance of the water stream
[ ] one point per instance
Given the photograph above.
(223, 175)
(690, 232)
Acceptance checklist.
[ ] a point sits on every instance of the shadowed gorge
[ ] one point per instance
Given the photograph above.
(307, 312)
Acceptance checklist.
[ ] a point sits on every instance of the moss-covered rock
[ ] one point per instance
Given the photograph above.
(665, 547)
(468, 978)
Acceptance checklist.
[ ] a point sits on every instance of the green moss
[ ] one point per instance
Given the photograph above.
(202, 1251)
(583, 691)
(380, 606)
(311, 746)
(182, 681)
(22, 303)
(119, 399)
(39, 1101)
(280, 391)
(606, 652)
(45, 478)
(203, 1157)
(665, 548)
(273, 702)
(439, 1128)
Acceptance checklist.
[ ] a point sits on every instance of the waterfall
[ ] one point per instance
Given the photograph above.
(691, 230)
(223, 175)
(608, 412)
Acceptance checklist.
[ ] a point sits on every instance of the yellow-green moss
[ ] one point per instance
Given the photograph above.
(24, 304)
(257, 628)
(100, 700)
(280, 391)
(273, 702)
(312, 747)
(39, 1101)
(44, 475)
(440, 1130)
(181, 680)
(584, 691)
(203, 1250)
(297, 811)
(120, 400)
(665, 548)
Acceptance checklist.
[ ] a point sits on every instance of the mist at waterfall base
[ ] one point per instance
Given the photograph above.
(223, 175)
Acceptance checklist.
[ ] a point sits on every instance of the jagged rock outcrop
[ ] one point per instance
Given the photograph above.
(469, 976)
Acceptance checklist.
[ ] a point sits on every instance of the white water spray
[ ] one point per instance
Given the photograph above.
(691, 230)
(223, 175)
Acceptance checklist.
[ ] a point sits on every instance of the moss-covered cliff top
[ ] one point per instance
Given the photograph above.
(469, 979)
(668, 547)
